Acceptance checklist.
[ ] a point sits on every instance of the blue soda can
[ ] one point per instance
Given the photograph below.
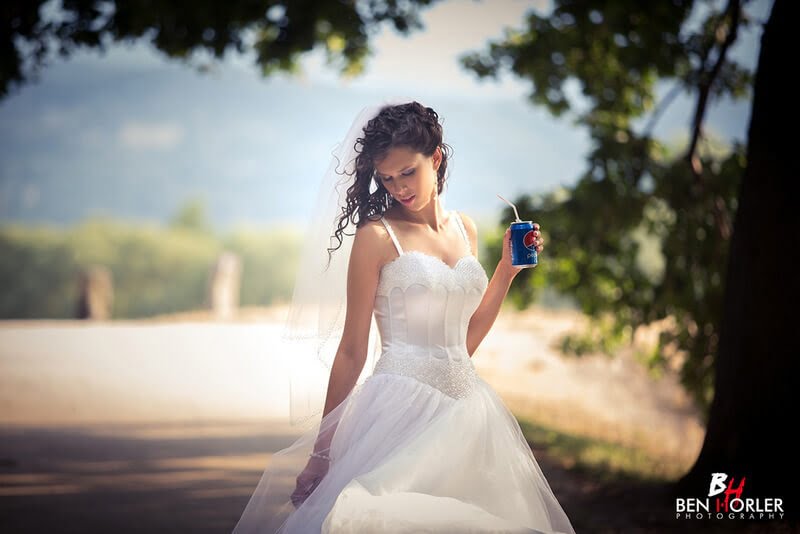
(523, 249)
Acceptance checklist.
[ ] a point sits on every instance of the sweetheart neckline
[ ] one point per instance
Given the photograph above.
(438, 259)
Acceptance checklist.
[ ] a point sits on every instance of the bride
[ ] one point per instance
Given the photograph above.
(423, 444)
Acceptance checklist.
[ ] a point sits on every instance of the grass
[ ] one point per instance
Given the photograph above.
(603, 460)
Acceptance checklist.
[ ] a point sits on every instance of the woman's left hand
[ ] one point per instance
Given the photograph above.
(505, 260)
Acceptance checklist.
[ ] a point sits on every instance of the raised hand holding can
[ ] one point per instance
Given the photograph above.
(523, 241)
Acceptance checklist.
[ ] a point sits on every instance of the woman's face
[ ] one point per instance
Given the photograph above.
(409, 176)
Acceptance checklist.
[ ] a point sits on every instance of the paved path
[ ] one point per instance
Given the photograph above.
(142, 426)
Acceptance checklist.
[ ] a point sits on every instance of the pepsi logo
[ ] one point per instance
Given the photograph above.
(528, 239)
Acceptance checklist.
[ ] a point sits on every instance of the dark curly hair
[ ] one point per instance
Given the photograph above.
(410, 125)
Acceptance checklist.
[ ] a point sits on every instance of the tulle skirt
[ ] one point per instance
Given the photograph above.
(407, 458)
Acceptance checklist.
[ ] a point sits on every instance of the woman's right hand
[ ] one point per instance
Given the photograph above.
(308, 479)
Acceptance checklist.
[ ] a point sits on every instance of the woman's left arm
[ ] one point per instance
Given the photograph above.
(482, 320)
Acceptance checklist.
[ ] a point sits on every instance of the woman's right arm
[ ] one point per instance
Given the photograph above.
(362, 281)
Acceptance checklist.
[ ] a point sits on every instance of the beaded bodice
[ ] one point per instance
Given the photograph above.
(422, 309)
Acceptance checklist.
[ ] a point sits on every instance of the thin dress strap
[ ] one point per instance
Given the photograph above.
(463, 230)
(394, 237)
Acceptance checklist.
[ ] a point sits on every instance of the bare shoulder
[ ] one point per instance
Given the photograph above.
(472, 231)
(469, 224)
(370, 242)
(371, 227)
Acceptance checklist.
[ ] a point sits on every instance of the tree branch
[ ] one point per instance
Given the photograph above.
(660, 108)
(732, 14)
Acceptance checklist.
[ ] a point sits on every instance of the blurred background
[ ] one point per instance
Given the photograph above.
(157, 164)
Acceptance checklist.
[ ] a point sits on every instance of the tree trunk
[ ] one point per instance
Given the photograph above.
(756, 380)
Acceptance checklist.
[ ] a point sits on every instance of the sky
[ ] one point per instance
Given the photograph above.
(134, 135)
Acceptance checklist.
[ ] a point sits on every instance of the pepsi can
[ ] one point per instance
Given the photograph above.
(523, 246)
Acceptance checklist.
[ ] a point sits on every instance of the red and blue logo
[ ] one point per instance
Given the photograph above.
(528, 239)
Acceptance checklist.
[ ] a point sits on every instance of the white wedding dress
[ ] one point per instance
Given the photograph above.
(423, 444)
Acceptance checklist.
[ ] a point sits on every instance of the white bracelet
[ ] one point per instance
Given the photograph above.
(320, 455)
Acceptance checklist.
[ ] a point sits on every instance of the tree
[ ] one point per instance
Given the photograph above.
(757, 367)
(633, 186)
(192, 217)
(281, 30)
(729, 285)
